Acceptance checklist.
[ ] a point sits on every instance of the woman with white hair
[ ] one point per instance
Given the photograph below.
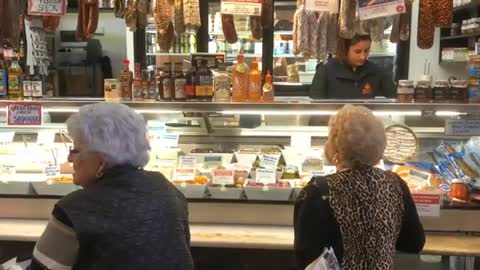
(364, 213)
(124, 217)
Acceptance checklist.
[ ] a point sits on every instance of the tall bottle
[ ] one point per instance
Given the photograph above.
(191, 80)
(146, 86)
(204, 88)
(179, 83)
(222, 84)
(3, 74)
(137, 90)
(255, 83)
(166, 85)
(240, 80)
(27, 84)
(15, 76)
(268, 95)
(38, 84)
(126, 80)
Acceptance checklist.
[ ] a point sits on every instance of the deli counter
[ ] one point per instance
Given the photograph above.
(242, 165)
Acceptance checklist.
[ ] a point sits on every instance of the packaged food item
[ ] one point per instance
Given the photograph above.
(406, 91)
(458, 91)
(204, 86)
(472, 154)
(126, 79)
(240, 80)
(473, 93)
(474, 66)
(423, 92)
(459, 191)
(441, 91)
(112, 90)
(268, 91)
(255, 83)
(222, 84)
(179, 83)
(165, 86)
(137, 93)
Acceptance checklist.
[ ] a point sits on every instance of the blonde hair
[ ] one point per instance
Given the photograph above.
(356, 138)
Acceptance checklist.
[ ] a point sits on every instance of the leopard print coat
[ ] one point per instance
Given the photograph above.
(368, 207)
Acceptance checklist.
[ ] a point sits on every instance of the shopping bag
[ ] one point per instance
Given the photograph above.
(326, 261)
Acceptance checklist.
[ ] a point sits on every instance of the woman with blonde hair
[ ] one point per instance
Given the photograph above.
(364, 213)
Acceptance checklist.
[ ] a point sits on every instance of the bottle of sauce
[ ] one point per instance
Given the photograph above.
(147, 95)
(222, 84)
(255, 83)
(191, 80)
(126, 79)
(166, 86)
(179, 82)
(38, 84)
(15, 76)
(204, 88)
(268, 95)
(137, 90)
(27, 84)
(240, 80)
(152, 86)
(3, 74)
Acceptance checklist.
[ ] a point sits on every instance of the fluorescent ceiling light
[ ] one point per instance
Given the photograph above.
(397, 113)
(449, 113)
(326, 112)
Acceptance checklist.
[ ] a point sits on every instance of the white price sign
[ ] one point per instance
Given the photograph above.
(462, 127)
(371, 9)
(223, 177)
(187, 162)
(322, 5)
(241, 7)
(6, 137)
(184, 174)
(46, 137)
(428, 205)
(266, 176)
(269, 161)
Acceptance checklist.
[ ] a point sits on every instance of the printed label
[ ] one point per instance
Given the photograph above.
(36, 88)
(137, 91)
(223, 177)
(27, 88)
(167, 88)
(428, 205)
(180, 88)
(190, 90)
(187, 162)
(266, 176)
(184, 174)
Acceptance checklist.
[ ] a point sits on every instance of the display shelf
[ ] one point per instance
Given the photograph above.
(466, 7)
(168, 54)
(460, 36)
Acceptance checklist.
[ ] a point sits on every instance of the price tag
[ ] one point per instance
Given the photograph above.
(212, 160)
(6, 137)
(187, 162)
(266, 176)
(169, 140)
(51, 171)
(184, 174)
(46, 137)
(241, 7)
(269, 161)
(301, 141)
(428, 205)
(8, 54)
(462, 127)
(223, 177)
(368, 9)
(47, 7)
(246, 158)
(322, 5)
(24, 114)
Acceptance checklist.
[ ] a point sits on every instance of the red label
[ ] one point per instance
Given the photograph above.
(426, 198)
(190, 90)
(24, 114)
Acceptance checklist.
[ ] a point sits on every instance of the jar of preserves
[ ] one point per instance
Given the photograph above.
(459, 191)
(474, 66)
(441, 91)
(458, 91)
(423, 92)
(406, 91)
(473, 93)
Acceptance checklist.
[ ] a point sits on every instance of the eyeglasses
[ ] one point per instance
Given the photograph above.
(73, 150)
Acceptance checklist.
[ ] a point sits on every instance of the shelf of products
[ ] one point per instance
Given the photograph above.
(460, 36)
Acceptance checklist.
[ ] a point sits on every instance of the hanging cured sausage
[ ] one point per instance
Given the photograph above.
(228, 26)
(256, 27)
(162, 14)
(191, 10)
(88, 13)
(131, 15)
(347, 18)
(443, 13)
(142, 13)
(426, 24)
(50, 23)
(119, 8)
(267, 14)
(9, 16)
(166, 38)
(179, 17)
(322, 36)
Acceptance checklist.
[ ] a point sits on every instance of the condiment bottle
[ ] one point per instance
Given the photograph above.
(37, 81)
(423, 92)
(137, 93)
(15, 76)
(268, 95)
(126, 79)
(255, 83)
(166, 86)
(458, 91)
(406, 91)
(240, 80)
(179, 82)
(146, 85)
(191, 80)
(459, 191)
(27, 84)
(222, 84)
(204, 88)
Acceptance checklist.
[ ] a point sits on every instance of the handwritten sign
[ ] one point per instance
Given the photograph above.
(241, 7)
(428, 205)
(368, 9)
(266, 176)
(47, 7)
(462, 127)
(24, 114)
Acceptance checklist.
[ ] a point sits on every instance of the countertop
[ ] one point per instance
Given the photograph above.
(249, 237)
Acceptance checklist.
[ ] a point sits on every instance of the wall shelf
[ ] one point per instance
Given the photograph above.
(460, 36)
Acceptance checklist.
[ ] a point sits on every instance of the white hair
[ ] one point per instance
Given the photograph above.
(114, 130)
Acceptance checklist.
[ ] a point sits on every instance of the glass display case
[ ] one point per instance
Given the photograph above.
(254, 156)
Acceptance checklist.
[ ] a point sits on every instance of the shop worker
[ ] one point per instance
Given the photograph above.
(350, 75)
(124, 218)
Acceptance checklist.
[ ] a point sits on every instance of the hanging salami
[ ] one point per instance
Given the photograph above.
(443, 13)
(256, 27)
(228, 26)
(179, 17)
(405, 20)
(426, 24)
(347, 18)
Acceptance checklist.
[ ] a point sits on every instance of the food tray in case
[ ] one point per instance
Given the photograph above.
(267, 193)
(226, 193)
(193, 191)
(16, 188)
(54, 189)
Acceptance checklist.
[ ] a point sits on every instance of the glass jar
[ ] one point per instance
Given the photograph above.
(441, 91)
(459, 191)
(455, 29)
(423, 92)
(406, 91)
(474, 66)
(473, 93)
(458, 91)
